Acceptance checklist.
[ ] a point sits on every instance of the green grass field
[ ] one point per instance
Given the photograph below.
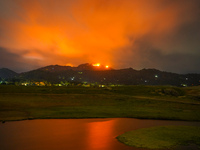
(150, 102)
(163, 137)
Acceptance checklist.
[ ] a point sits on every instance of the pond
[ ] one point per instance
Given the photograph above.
(73, 134)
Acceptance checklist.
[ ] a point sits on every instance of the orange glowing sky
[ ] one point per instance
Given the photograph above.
(118, 33)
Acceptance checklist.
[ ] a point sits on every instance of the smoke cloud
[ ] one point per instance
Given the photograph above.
(162, 34)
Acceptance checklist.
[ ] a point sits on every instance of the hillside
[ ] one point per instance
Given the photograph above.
(7, 73)
(87, 73)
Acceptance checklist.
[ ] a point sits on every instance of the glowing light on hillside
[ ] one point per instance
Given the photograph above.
(97, 65)
(69, 64)
(107, 66)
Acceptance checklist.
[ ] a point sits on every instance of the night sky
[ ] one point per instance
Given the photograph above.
(161, 34)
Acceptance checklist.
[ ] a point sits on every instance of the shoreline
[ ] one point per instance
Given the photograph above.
(153, 119)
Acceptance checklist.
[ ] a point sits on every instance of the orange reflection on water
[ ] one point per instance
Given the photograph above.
(100, 134)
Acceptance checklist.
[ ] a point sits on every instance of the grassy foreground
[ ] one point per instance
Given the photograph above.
(162, 137)
(150, 102)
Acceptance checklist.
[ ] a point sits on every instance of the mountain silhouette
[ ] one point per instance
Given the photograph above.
(88, 73)
(7, 73)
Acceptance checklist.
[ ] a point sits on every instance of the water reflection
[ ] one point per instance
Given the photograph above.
(100, 134)
(72, 134)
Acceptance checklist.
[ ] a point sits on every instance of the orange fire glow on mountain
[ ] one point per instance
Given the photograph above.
(102, 66)
(97, 65)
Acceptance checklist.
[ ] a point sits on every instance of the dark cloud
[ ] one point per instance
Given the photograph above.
(144, 55)
(175, 62)
(15, 62)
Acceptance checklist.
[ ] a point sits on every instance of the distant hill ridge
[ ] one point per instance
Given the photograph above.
(82, 67)
(88, 73)
(7, 73)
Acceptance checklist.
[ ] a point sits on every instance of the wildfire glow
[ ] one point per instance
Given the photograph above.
(97, 65)
(118, 33)
(69, 64)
